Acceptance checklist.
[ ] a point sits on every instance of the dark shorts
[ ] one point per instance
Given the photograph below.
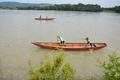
(62, 41)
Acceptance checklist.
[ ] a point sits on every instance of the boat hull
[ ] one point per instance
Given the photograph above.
(44, 18)
(70, 46)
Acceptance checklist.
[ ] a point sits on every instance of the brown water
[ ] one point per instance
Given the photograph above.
(18, 29)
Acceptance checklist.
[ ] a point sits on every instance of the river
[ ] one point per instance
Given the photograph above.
(18, 29)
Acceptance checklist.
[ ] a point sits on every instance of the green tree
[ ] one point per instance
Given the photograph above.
(52, 70)
(117, 9)
(111, 68)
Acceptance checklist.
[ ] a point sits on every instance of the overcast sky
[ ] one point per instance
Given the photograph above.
(103, 3)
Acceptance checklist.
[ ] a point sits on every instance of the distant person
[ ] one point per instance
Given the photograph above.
(40, 17)
(46, 17)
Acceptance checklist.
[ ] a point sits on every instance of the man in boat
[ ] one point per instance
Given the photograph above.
(61, 39)
(87, 39)
(46, 17)
(40, 17)
(88, 42)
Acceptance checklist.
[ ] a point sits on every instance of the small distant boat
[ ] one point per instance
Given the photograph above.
(70, 46)
(44, 18)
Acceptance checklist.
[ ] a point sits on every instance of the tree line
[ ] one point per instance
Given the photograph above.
(68, 7)
(115, 9)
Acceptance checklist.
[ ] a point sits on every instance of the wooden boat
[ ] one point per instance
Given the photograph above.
(44, 18)
(70, 46)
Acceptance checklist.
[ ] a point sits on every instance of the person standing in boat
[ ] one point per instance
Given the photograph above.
(87, 39)
(88, 42)
(46, 17)
(61, 39)
(40, 17)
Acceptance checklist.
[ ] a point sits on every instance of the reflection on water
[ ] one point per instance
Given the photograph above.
(18, 28)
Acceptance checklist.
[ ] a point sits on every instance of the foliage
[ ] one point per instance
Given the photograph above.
(52, 70)
(114, 9)
(66, 7)
(117, 9)
(111, 68)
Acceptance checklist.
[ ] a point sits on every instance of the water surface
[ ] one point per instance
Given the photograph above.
(19, 28)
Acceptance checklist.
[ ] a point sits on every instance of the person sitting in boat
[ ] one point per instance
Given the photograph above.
(61, 39)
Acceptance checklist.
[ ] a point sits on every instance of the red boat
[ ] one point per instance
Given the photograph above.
(70, 46)
(44, 18)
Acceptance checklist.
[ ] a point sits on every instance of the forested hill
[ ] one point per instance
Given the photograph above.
(15, 5)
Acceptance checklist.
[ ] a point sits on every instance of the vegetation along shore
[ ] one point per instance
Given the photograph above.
(64, 7)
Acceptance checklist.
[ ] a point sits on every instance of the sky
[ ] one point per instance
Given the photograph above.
(103, 3)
